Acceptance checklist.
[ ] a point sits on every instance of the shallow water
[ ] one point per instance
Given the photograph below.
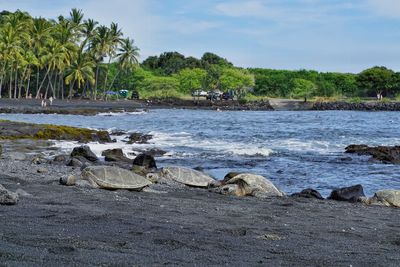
(295, 150)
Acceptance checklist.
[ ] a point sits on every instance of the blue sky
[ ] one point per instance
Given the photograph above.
(325, 35)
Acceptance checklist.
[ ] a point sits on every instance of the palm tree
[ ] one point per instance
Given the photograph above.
(81, 70)
(114, 41)
(127, 57)
(101, 45)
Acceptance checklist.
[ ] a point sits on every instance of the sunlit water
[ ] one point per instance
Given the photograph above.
(295, 150)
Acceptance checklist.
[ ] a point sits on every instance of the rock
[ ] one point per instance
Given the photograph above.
(388, 198)
(117, 132)
(60, 158)
(155, 152)
(145, 160)
(384, 154)
(78, 162)
(351, 194)
(84, 151)
(7, 197)
(42, 170)
(38, 160)
(139, 138)
(308, 193)
(115, 155)
(229, 176)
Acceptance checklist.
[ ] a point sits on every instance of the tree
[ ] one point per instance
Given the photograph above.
(191, 79)
(235, 79)
(127, 56)
(81, 70)
(303, 89)
(375, 81)
(212, 59)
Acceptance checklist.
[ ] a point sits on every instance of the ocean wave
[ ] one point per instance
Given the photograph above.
(123, 113)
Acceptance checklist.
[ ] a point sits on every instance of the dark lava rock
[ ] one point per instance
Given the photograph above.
(60, 158)
(118, 132)
(145, 160)
(114, 155)
(229, 176)
(384, 154)
(351, 194)
(308, 193)
(79, 161)
(155, 152)
(84, 151)
(364, 106)
(139, 138)
(7, 197)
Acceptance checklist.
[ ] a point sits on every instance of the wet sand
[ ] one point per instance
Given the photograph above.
(71, 226)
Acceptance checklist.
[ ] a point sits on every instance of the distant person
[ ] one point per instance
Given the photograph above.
(51, 100)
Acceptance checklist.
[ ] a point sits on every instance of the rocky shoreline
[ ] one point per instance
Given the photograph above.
(90, 108)
(364, 106)
(175, 225)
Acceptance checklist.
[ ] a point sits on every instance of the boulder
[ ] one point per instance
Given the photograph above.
(139, 138)
(84, 151)
(351, 193)
(145, 160)
(384, 154)
(308, 193)
(78, 161)
(7, 197)
(60, 158)
(115, 155)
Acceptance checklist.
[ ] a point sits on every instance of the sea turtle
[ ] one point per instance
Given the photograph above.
(107, 177)
(389, 198)
(247, 184)
(181, 175)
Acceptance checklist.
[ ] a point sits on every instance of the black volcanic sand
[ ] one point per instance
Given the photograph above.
(55, 225)
(90, 107)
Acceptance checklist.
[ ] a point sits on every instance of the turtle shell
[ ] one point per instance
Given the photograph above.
(187, 176)
(256, 182)
(110, 177)
(389, 197)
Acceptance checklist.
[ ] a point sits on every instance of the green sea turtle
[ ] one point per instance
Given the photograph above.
(389, 198)
(107, 177)
(247, 184)
(181, 175)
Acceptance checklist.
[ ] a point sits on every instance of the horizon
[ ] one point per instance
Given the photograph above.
(286, 35)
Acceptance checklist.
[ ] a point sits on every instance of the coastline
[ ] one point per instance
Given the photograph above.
(53, 224)
(90, 107)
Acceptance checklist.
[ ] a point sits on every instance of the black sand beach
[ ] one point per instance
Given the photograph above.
(71, 226)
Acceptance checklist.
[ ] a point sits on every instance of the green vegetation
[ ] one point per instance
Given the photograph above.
(40, 57)
(73, 56)
(20, 130)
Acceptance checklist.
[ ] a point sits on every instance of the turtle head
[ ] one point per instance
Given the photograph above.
(68, 180)
(229, 189)
(153, 177)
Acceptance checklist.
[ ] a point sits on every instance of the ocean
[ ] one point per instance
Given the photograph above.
(295, 150)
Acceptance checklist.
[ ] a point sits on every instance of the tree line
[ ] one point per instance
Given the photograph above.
(304, 83)
(75, 56)
(62, 57)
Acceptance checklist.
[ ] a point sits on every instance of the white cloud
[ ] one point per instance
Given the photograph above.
(243, 9)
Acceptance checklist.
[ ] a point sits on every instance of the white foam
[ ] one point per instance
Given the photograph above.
(321, 147)
(179, 145)
(123, 113)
